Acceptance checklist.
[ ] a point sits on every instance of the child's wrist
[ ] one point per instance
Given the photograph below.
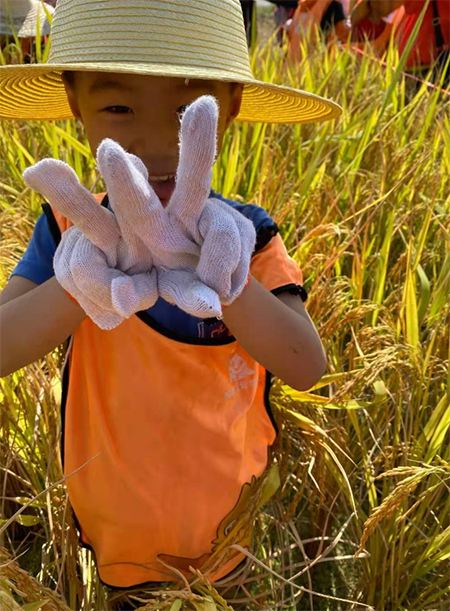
(249, 277)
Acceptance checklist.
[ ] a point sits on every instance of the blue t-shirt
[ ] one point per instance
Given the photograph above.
(37, 265)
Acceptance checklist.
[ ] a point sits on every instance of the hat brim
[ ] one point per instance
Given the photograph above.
(36, 92)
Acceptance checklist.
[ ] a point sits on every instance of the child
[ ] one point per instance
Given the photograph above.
(169, 410)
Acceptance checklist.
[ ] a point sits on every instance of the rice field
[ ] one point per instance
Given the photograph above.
(361, 519)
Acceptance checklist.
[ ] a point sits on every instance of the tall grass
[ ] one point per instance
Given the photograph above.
(364, 206)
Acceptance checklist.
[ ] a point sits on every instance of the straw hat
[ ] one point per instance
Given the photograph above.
(201, 39)
(21, 17)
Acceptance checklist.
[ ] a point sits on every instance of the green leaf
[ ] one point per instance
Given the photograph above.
(207, 605)
(35, 606)
(436, 428)
(412, 324)
(176, 605)
(425, 294)
(25, 520)
(271, 485)
(308, 397)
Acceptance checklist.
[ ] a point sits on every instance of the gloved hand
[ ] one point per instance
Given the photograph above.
(148, 233)
(195, 232)
(89, 252)
(227, 238)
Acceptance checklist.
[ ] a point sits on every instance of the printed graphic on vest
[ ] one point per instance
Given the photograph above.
(239, 373)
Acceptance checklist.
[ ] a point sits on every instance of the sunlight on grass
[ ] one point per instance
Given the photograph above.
(363, 203)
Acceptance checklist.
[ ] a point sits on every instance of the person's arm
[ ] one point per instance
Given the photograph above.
(278, 333)
(34, 320)
(342, 31)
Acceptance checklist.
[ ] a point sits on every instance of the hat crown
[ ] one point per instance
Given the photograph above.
(192, 35)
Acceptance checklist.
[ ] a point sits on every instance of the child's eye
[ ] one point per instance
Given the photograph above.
(119, 110)
(181, 110)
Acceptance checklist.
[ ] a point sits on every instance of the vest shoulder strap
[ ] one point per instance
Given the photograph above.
(437, 26)
(53, 225)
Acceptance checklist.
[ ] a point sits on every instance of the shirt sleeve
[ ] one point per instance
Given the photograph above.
(37, 261)
(276, 270)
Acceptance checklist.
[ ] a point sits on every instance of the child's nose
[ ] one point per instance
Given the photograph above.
(157, 147)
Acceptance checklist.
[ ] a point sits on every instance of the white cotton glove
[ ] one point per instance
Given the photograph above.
(227, 238)
(105, 266)
(195, 232)
(86, 259)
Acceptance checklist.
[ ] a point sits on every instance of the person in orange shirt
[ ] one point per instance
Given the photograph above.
(324, 18)
(179, 304)
(373, 21)
(432, 45)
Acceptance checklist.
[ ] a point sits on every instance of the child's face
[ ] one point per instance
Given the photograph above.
(142, 114)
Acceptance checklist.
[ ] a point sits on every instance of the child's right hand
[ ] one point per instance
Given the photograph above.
(93, 259)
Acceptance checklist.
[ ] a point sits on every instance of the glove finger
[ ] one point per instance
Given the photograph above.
(139, 165)
(198, 145)
(221, 249)
(135, 204)
(59, 184)
(186, 291)
(91, 273)
(131, 294)
(61, 261)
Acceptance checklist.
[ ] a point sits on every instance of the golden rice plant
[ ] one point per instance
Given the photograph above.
(361, 517)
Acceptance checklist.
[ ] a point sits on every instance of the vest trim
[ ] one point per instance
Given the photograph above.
(178, 337)
(52, 224)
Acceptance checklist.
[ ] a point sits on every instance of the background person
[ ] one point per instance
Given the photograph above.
(21, 17)
(283, 13)
(376, 30)
(325, 19)
(433, 41)
(374, 20)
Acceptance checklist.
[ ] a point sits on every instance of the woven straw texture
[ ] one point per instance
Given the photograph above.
(203, 39)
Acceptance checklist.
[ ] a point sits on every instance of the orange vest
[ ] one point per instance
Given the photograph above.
(306, 16)
(378, 35)
(180, 426)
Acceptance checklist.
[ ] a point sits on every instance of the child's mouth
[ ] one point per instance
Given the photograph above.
(163, 186)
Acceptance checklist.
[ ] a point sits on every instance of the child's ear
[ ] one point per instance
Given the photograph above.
(69, 86)
(235, 103)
